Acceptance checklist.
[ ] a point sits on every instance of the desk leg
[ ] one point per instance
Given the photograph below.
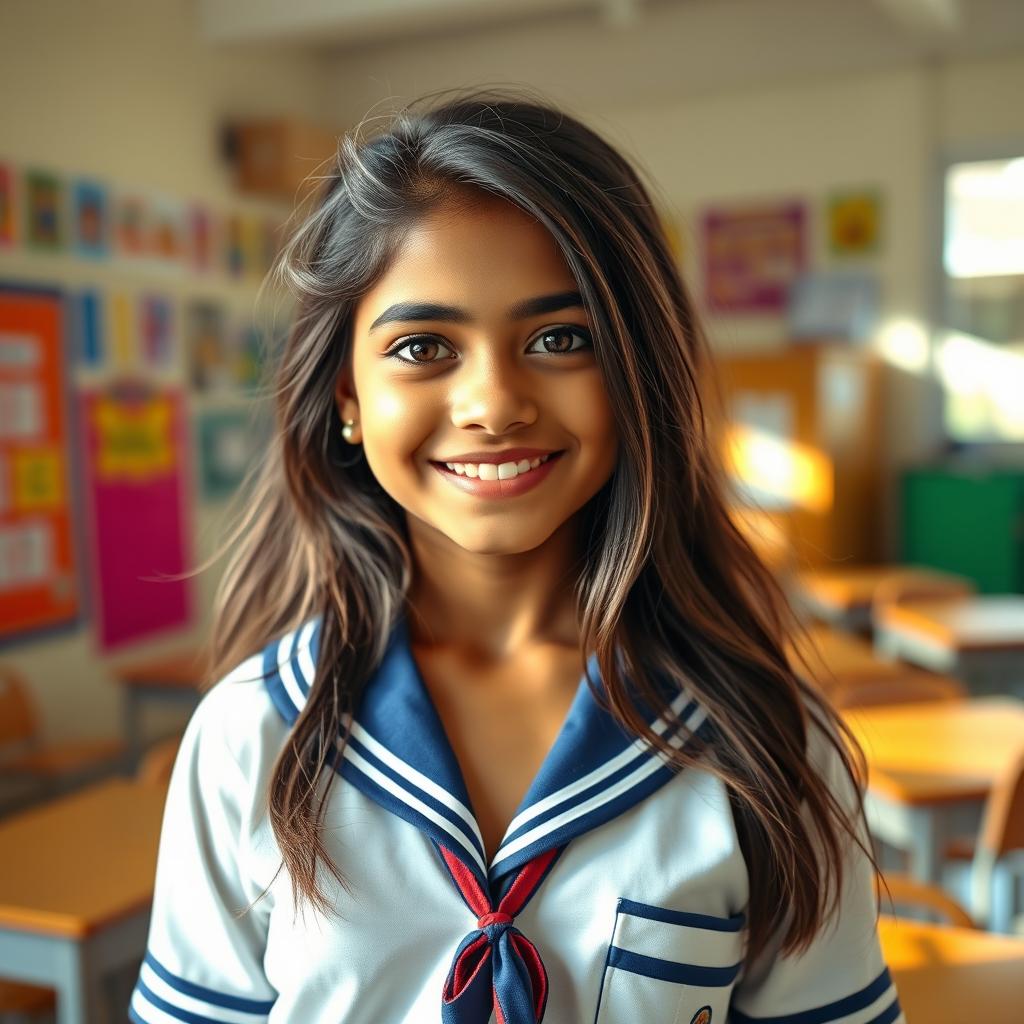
(79, 989)
(924, 846)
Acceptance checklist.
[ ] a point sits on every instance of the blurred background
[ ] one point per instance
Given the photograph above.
(843, 185)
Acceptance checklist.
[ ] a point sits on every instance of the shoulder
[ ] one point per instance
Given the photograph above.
(236, 718)
(242, 720)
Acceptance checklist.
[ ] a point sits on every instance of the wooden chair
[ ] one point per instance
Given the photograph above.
(52, 767)
(156, 764)
(912, 688)
(995, 862)
(907, 892)
(25, 1004)
(18, 1001)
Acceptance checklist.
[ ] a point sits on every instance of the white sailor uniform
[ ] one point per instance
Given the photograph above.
(617, 893)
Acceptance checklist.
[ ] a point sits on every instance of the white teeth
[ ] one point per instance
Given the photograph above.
(496, 471)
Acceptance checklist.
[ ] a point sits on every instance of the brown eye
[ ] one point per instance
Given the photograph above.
(418, 346)
(558, 340)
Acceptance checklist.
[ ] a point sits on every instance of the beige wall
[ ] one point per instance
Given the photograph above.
(125, 91)
(131, 95)
(751, 127)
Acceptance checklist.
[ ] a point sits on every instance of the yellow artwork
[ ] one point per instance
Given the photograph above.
(134, 439)
(854, 223)
(37, 480)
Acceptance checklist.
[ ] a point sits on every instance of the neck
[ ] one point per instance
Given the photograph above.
(495, 606)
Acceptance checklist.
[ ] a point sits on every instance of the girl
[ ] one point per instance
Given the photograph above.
(490, 579)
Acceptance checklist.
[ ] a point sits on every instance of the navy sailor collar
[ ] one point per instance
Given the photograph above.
(398, 754)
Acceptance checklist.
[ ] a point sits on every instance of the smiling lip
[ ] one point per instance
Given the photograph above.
(500, 488)
(498, 457)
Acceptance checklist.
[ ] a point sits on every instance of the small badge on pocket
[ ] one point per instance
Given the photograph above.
(702, 1016)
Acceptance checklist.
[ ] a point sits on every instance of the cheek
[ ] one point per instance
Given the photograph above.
(395, 433)
(396, 423)
(591, 419)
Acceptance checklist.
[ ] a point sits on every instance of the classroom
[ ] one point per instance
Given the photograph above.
(820, 230)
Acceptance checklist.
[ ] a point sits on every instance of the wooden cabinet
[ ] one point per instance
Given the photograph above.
(802, 438)
(273, 157)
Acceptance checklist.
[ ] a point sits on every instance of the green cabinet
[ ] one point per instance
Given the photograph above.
(967, 519)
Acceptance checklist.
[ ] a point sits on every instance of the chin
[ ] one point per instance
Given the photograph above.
(515, 542)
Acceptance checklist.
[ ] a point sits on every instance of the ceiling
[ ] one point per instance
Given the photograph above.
(339, 26)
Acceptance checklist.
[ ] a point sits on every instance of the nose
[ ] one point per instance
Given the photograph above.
(492, 393)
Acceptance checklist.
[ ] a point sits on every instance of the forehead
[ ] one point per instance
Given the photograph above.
(487, 255)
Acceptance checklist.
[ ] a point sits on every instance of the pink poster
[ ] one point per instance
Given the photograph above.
(138, 493)
(752, 255)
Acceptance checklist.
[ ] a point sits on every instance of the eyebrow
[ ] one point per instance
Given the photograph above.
(406, 311)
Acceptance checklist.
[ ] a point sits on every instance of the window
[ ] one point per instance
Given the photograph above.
(980, 350)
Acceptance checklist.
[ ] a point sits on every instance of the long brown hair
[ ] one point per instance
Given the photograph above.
(667, 579)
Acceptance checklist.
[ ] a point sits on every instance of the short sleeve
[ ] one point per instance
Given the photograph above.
(842, 977)
(203, 962)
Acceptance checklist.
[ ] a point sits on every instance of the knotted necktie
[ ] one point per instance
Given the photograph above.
(496, 966)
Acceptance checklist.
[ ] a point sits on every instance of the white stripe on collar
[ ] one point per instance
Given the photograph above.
(431, 793)
(417, 778)
(636, 748)
(417, 805)
(651, 762)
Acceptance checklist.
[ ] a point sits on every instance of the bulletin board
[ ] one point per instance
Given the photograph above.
(138, 497)
(752, 255)
(38, 559)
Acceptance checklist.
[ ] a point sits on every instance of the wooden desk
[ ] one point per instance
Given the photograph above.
(173, 678)
(845, 597)
(948, 975)
(979, 639)
(930, 769)
(837, 657)
(76, 885)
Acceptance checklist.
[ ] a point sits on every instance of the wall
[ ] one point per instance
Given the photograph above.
(739, 100)
(126, 92)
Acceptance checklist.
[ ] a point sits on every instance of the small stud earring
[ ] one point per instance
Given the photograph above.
(347, 429)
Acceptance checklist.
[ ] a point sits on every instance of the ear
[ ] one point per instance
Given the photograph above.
(344, 391)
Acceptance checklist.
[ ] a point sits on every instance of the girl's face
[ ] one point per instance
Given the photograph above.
(508, 363)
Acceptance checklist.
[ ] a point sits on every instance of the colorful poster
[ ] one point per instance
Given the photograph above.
(752, 254)
(89, 329)
(137, 497)
(253, 241)
(38, 561)
(229, 443)
(8, 205)
(208, 350)
(131, 226)
(44, 220)
(123, 352)
(199, 233)
(247, 355)
(157, 323)
(167, 230)
(90, 219)
(834, 305)
(234, 245)
(855, 222)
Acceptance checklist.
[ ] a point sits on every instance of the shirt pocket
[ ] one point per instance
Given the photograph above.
(669, 966)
